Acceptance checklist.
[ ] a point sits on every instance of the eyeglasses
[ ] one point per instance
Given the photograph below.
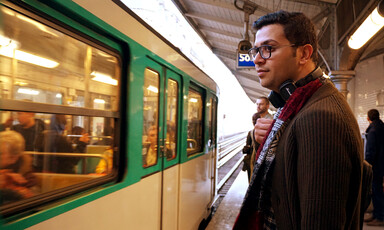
(264, 50)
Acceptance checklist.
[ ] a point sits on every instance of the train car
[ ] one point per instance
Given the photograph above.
(118, 127)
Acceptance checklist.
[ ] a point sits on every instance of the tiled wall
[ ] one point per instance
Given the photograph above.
(364, 88)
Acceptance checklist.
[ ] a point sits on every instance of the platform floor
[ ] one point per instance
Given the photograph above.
(227, 212)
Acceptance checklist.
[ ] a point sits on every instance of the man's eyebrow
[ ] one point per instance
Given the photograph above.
(269, 41)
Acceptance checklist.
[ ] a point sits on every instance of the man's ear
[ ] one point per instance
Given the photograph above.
(305, 53)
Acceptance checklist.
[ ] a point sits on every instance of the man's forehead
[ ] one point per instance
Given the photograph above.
(270, 34)
(260, 101)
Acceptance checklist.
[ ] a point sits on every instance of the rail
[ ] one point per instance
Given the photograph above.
(228, 148)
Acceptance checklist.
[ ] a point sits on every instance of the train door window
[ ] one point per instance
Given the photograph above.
(212, 121)
(151, 117)
(59, 95)
(195, 122)
(172, 101)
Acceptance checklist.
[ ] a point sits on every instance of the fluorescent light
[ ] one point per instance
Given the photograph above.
(104, 78)
(59, 95)
(28, 91)
(99, 101)
(194, 100)
(153, 89)
(367, 29)
(27, 57)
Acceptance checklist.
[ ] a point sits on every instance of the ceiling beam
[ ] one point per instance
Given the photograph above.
(217, 4)
(222, 32)
(225, 52)
(222, 41)
(255, 90)
(232, 6)
(246, 75)
(252, 93)
(215, 19)
(324, 13)
(314, 2)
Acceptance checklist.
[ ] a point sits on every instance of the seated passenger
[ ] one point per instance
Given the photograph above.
(55, 142)
(14, 183)
(150, 149)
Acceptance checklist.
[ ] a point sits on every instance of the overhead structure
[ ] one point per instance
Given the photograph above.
(223, 24)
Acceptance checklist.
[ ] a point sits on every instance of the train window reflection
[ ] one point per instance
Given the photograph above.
(172, 111)
(150, 117)
(63, 71)
(46, 152)
(195, 122)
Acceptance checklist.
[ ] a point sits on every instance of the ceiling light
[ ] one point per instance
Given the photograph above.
(104, 78)
(28, 91)
(367, 30)
(153, 89)
(27, 57)
(194, 100)
(99, 101)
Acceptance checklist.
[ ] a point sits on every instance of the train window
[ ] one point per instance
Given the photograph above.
(195, 122)
(151, 117)
(63, 71)
(171, 139)
(59, 98)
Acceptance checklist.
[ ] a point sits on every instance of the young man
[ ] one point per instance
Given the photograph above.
(30, 128)
(262, 104)
(374, 154)
(308, 172)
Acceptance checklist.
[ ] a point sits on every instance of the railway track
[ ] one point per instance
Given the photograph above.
(230, 156)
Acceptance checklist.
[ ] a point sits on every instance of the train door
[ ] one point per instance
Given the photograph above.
(212, 118)
(170, 149)
(162, 92)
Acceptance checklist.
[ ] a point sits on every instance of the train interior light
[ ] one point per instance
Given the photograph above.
(104, 78)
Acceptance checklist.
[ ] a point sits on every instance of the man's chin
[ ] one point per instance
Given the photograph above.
(265, 84)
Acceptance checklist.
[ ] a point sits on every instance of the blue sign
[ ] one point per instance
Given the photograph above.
(244, 61)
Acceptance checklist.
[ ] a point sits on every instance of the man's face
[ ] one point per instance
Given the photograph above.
(262, 106)
(282, 65)
(152, 136)
(24, 118)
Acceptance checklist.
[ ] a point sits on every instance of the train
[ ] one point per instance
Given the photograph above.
(119, 127)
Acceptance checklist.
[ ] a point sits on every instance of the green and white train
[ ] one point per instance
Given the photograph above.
(92, 73)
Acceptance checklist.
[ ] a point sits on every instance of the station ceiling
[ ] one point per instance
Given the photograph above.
(221, 24)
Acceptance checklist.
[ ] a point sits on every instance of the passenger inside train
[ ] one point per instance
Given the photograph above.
(150, 147)
(16, 178)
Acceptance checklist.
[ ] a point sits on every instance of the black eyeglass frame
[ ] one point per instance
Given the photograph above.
(260, 49)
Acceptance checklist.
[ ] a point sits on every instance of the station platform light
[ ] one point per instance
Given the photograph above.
(372, 24)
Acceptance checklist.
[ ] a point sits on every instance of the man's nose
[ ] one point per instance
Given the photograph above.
(258, 59)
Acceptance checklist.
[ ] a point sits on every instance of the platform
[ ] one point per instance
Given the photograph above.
(226, 214)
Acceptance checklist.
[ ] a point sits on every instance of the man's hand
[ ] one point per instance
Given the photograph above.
(261, 129)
